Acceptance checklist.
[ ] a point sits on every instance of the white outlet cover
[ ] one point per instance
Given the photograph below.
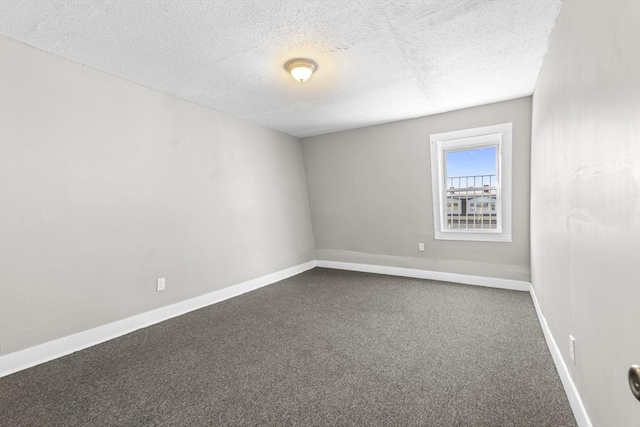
(160, 284)
(421, 247)
(572, 348)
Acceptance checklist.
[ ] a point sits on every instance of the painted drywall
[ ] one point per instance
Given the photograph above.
(371, 200)
(107, 185)
(585, 200)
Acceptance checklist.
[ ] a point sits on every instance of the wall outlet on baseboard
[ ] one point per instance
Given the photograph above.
(572, 349)
(421, 247)
(160, 284)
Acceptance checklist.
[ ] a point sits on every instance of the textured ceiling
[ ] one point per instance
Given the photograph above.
(379, 60)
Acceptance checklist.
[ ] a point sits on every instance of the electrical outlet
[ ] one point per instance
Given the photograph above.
(421, 247)
(572, 349)
(160, 284)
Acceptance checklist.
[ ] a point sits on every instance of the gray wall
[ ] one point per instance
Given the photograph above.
(107, 185)
(585, 200)
(370, 195)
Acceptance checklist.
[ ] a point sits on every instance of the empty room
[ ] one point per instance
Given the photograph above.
(320, 213)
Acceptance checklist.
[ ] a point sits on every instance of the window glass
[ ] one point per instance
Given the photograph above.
(472, 183)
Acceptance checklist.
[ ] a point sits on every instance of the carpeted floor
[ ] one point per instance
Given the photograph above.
(326, 347)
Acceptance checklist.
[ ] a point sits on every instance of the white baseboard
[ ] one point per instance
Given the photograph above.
(514, 285)
(579, 411)
(38, 354)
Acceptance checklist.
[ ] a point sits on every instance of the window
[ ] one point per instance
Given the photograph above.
(471, 179)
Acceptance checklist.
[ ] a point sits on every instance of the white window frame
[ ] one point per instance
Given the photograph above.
(499, 136)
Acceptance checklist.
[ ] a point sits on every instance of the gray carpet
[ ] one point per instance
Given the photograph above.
(326, 347)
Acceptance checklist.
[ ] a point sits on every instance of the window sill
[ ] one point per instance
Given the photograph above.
(477, 237)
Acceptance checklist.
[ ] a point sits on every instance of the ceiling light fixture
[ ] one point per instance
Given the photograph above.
(300, 68)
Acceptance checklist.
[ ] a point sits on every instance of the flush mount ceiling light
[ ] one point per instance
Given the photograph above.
(300, 68)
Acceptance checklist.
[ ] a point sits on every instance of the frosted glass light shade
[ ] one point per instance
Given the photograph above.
(301, 73)
(300, 68)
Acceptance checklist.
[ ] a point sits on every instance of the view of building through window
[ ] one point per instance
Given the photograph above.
(471, 188)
